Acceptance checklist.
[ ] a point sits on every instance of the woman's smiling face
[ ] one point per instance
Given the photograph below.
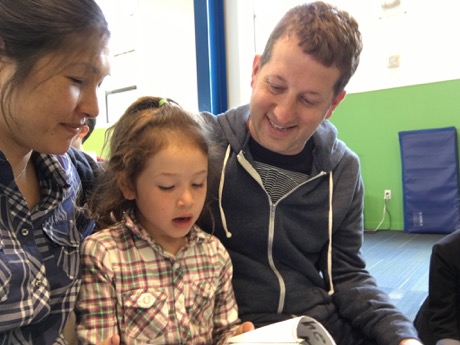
(48, 108)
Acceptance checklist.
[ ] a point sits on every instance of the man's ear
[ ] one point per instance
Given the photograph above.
(336, 101)
(255, 68)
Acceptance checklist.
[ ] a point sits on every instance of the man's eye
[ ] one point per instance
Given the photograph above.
(275, 88)
(307, 101)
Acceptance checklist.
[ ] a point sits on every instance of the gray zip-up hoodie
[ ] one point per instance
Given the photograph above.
(302, 254)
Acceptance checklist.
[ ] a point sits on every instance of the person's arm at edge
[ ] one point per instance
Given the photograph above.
(442, 289)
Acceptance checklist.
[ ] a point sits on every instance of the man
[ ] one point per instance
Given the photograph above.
(289, 207)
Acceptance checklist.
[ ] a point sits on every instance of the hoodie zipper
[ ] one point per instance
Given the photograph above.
(271, 227)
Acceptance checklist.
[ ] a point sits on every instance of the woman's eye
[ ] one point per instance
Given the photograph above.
(198, 185)
(76, 80)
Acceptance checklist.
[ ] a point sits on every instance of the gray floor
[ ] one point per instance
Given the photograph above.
(400, 262)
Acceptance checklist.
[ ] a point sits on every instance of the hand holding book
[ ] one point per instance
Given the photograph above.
(300, 330)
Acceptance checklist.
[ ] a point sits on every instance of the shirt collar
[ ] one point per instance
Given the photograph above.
(49, 168)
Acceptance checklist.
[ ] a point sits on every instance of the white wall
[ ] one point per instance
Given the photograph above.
(240, 46)
(423, 33)
(163, 63)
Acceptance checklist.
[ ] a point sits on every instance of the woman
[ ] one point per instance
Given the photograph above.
(53, 57)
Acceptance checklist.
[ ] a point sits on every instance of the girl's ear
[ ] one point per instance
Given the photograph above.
(126, 188)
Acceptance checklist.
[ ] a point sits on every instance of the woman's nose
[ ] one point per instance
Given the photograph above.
(89, 103)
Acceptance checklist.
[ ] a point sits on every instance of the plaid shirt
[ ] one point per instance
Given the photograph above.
(39, 253)
(132, 287)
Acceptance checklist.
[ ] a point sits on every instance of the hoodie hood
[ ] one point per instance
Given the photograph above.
(328, 151)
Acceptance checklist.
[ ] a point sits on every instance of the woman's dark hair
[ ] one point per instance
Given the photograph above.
(31, 29)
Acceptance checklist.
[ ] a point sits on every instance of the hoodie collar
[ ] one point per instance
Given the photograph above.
(328, 149)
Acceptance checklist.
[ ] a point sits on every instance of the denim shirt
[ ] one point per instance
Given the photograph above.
(39, 253)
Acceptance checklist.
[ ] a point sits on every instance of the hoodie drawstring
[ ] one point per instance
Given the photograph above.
(329, 247)
(221, 188)
(330, 217)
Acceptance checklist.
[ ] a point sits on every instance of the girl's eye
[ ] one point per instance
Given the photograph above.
(198, 185)
(166, 187)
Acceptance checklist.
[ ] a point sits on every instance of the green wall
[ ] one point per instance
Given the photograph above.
(369, 123)
(95, 142)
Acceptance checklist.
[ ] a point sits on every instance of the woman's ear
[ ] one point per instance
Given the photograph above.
(7, 66)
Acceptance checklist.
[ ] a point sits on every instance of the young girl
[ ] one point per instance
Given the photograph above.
(53, 57)
(151, 275)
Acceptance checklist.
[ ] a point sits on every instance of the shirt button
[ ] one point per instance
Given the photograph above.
(176, 266)
(38, 283)
(24, 232)
(145, 300)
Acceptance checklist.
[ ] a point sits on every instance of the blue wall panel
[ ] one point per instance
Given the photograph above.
(430, 180)
(211, 55)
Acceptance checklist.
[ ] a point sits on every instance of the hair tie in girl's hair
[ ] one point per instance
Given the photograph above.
(162, 101)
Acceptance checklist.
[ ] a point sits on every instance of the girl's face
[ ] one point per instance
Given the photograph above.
(49, 108)
(170, 193)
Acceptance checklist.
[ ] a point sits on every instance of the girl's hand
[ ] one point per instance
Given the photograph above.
(244, 327)
(113, 340)
(410, 342)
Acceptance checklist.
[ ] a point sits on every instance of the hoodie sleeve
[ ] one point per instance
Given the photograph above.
(357, 295)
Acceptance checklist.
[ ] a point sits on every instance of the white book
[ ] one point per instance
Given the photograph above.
(300, 330)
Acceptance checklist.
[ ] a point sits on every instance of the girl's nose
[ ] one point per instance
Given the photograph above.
(185, 199)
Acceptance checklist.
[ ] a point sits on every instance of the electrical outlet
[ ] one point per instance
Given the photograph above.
(387, 194)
